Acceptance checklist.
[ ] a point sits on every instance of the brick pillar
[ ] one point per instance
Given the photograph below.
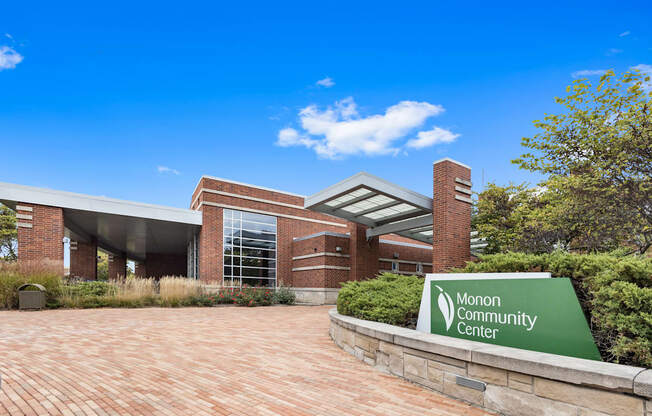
(117, 267)
(140, 269)
(364, 254)
(210, 244)
(451, 211)
(40, 236)
(83, 259)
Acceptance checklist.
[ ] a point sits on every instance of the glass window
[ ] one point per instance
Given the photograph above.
(271, 283)
(249, 249)
(260, 218)
(259, 228)
(394, 266)
(254, 252)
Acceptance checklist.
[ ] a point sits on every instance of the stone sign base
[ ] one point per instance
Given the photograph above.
(510, 381)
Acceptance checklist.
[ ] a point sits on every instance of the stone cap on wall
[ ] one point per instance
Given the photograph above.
(608, 376)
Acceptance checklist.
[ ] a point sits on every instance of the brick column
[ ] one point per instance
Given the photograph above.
(140, 269)
(451, 211)
(117, 267)
(364, 254)
(210, 244)
(83, 259)
(40, 236)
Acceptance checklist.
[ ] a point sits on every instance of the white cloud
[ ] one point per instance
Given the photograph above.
(165, 169)
(9, 58)
(340, 130)
(625, 33)
(588, 73)
(431, 137)
(8, 36)
(326, 82)
(613, 51)
(646, 70)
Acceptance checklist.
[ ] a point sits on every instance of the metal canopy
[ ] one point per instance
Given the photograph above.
(120, 227)
(134, 237)
(382, 206)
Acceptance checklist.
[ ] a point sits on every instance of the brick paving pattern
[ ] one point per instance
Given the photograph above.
(194, 361)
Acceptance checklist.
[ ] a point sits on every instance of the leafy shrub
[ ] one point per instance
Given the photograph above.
(615, 292)
(284, 295)
(86, 289)
(389, 298)
(245, 296)
(250, 296)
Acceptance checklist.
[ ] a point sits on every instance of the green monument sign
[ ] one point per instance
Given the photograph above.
(530, 313)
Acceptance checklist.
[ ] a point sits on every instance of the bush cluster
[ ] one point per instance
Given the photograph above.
(131, 293)
(615, 292)
(389, 298)
(245, 296)
(253, 296)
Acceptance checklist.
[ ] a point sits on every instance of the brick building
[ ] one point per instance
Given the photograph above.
(236, 234)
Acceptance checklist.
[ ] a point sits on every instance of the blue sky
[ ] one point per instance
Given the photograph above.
(137, 100)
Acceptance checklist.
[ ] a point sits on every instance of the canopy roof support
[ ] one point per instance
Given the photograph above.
(382, 206)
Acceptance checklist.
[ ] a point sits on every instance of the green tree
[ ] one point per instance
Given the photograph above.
(518, 218)
(598, 155)
(494, 216)
(8, 247)
(102, 265)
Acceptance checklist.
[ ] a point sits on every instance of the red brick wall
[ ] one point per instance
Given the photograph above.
(160, 264)
(210, 245)
(83, 260)
(117, 267)
(451, 217)
(424, 255)
(223, 186)
(43, 242)
(364, 254)
(287, 229)
(140, 270)
(263, 206)
(210, 240)
(321, 244)
(405, 253)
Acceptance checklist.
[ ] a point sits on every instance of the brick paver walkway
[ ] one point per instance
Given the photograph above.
(194, 361)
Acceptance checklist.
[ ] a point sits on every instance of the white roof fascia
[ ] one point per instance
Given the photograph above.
(70, 200)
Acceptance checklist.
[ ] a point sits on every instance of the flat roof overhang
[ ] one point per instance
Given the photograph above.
(120, 227)
(384, 207)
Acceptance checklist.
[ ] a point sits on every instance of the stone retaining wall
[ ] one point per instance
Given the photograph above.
(510, 381)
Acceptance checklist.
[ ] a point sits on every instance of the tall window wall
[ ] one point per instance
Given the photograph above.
(249, 249)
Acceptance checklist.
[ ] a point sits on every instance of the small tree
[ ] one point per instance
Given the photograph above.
(8, 234)
(102, 265)
(518, 218)
(495, 217)
(599, 157)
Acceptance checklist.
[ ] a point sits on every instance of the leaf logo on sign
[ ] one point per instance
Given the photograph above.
(446, 307)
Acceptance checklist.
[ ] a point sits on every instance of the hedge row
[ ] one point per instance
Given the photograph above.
(615, 293)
